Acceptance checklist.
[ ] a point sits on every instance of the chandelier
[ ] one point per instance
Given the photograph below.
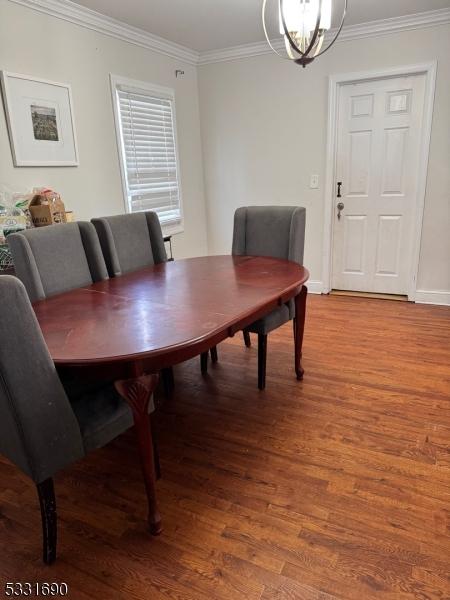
(303, 25)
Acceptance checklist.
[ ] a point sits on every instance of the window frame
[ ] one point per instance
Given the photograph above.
(159, 92)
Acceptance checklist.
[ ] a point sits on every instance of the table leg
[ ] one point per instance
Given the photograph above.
(299, 328)
(137, 393)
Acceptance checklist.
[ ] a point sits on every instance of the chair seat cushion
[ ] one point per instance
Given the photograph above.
(101, 413)
(278, 317)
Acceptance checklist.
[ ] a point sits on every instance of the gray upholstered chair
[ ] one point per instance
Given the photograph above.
(46, 424)
(55, 259)
(279, 232)
(133, 241)
(130, 242)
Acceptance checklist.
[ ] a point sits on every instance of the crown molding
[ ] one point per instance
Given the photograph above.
(381, 27)
(90, 19)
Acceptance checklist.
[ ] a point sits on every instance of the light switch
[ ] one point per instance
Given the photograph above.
(314, 182)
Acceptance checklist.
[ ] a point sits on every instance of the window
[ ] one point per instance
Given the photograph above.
(146, 132)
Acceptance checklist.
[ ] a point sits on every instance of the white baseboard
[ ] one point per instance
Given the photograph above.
(433, 297)
(441, 297)
(314, 287)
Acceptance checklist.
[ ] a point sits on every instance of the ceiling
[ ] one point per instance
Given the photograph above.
(204, 25)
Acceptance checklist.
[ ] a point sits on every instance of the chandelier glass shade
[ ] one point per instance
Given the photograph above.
(302, 25)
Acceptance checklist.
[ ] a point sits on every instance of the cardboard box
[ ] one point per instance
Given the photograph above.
(47, 209)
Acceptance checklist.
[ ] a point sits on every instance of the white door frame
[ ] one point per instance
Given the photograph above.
(335, 82)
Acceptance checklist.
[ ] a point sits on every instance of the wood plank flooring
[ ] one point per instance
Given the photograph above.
(337, 487)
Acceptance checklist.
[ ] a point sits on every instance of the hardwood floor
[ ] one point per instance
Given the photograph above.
(337, 487)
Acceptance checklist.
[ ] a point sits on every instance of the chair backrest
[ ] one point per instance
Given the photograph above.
(58, 258)
(130, 242)
(276, 231)
(38, 429)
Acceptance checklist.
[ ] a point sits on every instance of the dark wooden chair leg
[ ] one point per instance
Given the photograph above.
(262, 360)
(204, 362)
(214, 355)
(168, 381)
(299, 328)
(247, 339)
(47, 501)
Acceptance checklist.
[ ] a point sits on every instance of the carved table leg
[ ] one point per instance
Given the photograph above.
(137, 393)
(299, 328)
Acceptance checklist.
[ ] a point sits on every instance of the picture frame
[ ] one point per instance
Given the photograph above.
(40, 119)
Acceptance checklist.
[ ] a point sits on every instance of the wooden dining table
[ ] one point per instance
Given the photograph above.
(128, 328)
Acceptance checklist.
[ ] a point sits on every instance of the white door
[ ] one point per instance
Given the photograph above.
(379, 133)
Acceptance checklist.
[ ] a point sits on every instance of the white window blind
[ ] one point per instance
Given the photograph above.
(149, 153)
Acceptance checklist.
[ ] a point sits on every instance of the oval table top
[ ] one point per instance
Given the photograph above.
(164, 309)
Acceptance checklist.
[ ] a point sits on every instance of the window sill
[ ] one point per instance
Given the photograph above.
(172, 229)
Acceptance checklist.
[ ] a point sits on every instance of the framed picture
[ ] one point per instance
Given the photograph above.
(40, 120)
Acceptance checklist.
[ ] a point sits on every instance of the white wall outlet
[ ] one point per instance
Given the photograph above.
(314, 182)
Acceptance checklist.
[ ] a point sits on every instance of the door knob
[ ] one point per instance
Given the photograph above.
(340, 208)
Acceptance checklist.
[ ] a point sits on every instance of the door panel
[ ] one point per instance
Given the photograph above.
(398, 102)
(354, 250)
(395, 142)
(360, 143)
(377, 158)
(388, 245)
(362, 106)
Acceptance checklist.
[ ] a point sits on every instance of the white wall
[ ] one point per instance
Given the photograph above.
(46, 47)
(264, 124)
